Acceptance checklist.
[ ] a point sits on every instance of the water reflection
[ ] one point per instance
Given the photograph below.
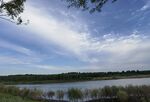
(88, 84)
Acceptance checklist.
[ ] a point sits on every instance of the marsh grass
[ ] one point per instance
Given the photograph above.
(115, 93)
(14, 93)
(11, 98)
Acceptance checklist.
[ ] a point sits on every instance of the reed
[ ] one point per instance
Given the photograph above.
(114, 93)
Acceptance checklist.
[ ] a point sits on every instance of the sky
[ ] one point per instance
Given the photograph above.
(59, 40)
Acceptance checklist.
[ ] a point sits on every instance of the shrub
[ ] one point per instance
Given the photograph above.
(143, 99)
(106, 91)
(75, 94)
(122, 96)
(94, 93)
(24, 92)
(114, 89)
(35, 94)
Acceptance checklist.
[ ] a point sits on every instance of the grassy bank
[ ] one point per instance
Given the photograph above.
(14, 94)
(11, 98)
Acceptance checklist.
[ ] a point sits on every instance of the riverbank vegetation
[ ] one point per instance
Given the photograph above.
(71, 77)
(11, 98)
(106, 94)
(14, 94)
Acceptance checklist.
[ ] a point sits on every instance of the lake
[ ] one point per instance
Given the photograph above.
(87, 84)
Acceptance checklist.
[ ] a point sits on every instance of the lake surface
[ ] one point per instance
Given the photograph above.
(87, 84)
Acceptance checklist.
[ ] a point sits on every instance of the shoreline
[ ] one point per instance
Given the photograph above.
(70, 81)
(105, 94)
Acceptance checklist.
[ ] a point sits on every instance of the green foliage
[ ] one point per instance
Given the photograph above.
(35, 94)
(73, 76)
(107, 91)
(24, 93)
(142, 99)
(10, 98)
(114, 89)
(115, 93)
(91, 5)
(94, 93)
(12, 9)
(75, 94)
(122, 96)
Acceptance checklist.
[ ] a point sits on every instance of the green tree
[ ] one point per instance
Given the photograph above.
(11, 10)
(91, 5)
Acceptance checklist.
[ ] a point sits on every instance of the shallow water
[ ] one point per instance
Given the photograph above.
(87, 84)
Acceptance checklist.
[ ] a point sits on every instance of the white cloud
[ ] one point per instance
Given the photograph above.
(7, 0)
(56, 69)
(146, 6)
(10, 60)
(14, 54)
(101, 53)
(14, 47)
(53, 31)
(124, 49)
(109, 49)
(81, 44)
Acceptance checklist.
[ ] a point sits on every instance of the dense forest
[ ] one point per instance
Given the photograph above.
(72, 76)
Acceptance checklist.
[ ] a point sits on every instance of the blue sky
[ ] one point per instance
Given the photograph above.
(59, 39)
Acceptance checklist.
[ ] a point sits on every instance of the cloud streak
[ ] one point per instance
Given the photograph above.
(106, 49)
(55, 37)
(14, 47)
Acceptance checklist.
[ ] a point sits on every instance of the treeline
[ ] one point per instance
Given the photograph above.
(72, 76)
(106, 94)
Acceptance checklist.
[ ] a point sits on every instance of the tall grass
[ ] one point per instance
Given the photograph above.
(74, 95)
(10, 98)
(60, 94)
(24, 93)
(114, 93)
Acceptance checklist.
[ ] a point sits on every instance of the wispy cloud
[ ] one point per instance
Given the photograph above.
(54, 31)
(81, 44)
(17, 54)
(72, 38)
(14, 47)
(10, 60)
(120, 49)
(146, 6)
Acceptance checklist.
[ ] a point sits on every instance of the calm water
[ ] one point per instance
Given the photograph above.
(88, 84)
